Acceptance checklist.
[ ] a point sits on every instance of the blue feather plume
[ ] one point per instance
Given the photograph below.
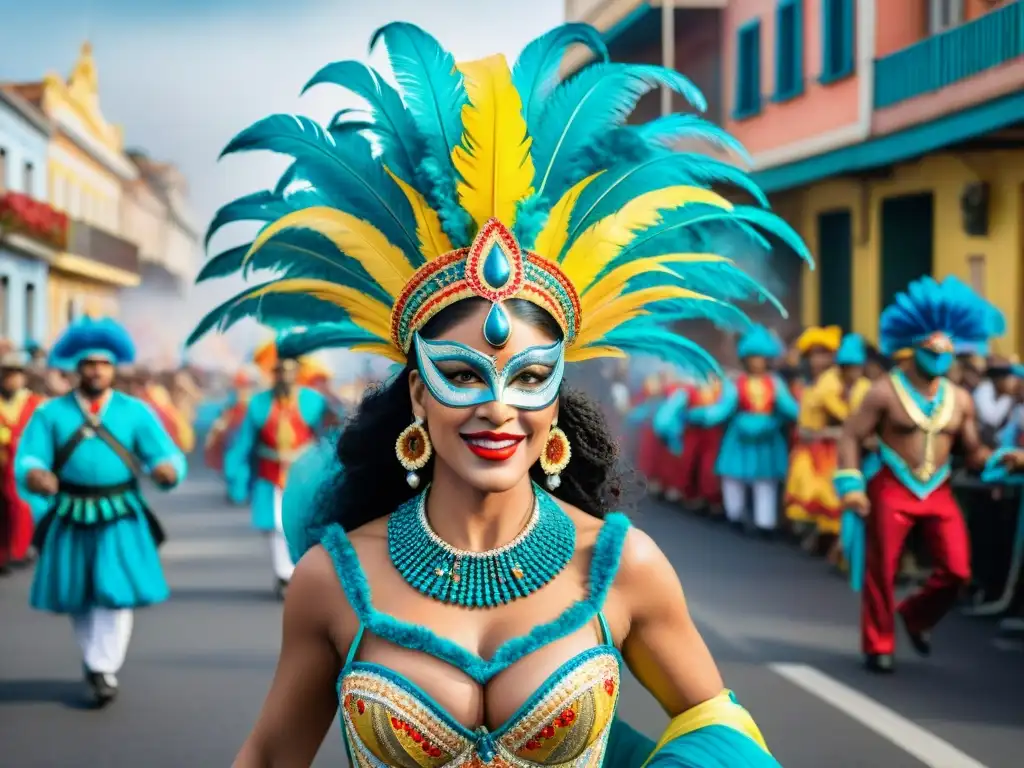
(927, 307)
(535, 73)
(597, 99)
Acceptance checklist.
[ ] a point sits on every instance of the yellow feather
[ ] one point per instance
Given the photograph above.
(493, 160)
(612, 284)
(598, 246)
(552, 238)
(384, 262)
(581, 354)
(384, 350)
(614, 313)
(433, 241)
(365, 311)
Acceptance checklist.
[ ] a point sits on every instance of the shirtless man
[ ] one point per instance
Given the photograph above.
(917, 415)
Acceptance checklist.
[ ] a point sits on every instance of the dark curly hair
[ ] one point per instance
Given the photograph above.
(373, 482)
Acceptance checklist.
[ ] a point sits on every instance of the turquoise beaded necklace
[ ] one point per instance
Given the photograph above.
(481, 579)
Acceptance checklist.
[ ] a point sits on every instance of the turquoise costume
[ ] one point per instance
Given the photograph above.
(754, 445)
(495, 184)
(98, 539)
(260, 480)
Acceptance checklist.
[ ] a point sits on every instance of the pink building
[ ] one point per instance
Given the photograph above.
(888, 133)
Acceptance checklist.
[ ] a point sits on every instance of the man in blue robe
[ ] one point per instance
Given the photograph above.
(83, 455)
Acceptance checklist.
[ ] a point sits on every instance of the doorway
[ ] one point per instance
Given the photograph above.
(908, 238)
(835, 269)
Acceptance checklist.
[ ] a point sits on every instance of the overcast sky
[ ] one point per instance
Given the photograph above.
(183, 76)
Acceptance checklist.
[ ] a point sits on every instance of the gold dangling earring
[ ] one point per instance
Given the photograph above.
(555, 456)
(414, 449)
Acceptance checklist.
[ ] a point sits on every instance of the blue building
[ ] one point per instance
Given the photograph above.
(24, 261)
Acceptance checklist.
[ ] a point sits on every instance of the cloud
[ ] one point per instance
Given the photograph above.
(183, 77)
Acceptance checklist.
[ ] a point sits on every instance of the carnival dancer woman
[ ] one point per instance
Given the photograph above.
(85, 452)
(502, 225)
(702, 444)
(224, 428)
(813, 459)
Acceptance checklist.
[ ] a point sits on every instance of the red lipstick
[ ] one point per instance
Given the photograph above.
(493, 446)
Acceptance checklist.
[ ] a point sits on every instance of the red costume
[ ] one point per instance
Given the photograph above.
(697, 479)
(282, 434)
(16, 523)
(647, 446)
(221, 432)
(894, 511)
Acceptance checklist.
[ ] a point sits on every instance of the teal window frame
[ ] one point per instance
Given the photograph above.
(841, 63)
(748, 71)
(789, 12)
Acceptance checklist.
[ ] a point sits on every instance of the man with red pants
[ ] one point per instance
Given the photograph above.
(917, 415)
(702, 488)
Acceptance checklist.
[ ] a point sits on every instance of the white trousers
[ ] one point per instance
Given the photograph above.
(766, 501)
(103, 635)
(280, 557)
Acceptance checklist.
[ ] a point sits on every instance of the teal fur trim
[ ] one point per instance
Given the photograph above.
(848, 481)
(603, 568)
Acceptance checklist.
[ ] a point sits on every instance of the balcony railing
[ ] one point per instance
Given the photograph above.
(102, 247)
(951, 56)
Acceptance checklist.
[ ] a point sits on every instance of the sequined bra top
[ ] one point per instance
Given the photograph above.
(389, 722)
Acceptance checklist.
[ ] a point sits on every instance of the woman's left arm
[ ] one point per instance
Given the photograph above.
(667, 654)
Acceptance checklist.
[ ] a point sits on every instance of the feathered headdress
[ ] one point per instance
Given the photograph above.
(950, 312)
(102, 338)
(483, 181)
(759, 342)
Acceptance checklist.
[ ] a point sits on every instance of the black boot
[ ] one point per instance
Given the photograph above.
(879, 663)
(103, 686)
(921, 641)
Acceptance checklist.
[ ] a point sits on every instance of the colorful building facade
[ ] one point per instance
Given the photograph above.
(890, 135)
(87, 170)
(26, 248)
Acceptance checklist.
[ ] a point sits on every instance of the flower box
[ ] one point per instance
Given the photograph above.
(24, 215)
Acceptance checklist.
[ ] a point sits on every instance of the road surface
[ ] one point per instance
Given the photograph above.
(783, 631)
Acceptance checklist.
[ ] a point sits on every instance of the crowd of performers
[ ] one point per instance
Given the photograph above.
(844, 447)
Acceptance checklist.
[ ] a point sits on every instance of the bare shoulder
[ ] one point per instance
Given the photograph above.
(317, 600)
(964, 399)
(643, 566)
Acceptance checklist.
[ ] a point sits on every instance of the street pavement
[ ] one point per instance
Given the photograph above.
(782, 629)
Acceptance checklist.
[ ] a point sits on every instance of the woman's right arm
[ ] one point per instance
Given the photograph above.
(302, 701)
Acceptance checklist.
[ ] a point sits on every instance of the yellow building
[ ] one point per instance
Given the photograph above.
(911, 221)
(88, 170)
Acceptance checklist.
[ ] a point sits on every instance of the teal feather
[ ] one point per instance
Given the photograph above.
(616, 187)
(535, 73)
(259, 206)
(656, 341)
(669, 130)
(696, 216)
(394, 126)
(297, 343)
(431, 83)
(275, 310)
(341, 168)
(597, 99)
(224, 263)
(722, 281)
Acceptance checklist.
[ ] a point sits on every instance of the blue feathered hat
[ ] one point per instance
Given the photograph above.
(852, 351)
(927, 307)
(759, 342)
(102, 338)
